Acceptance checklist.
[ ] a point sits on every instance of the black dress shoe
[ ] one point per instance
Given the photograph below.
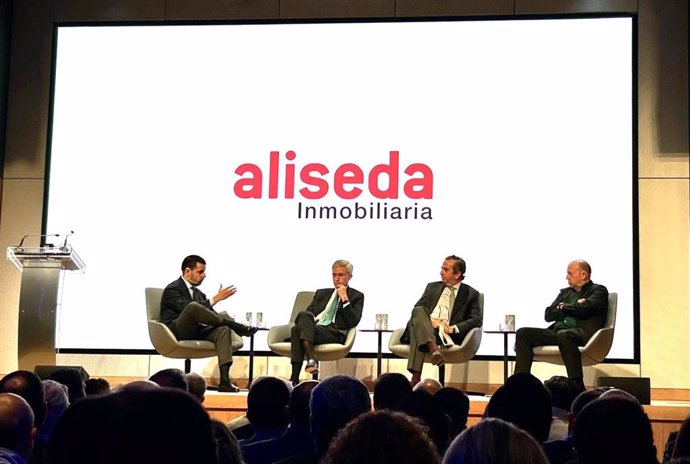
(244, 330)
(228, 388)
(312, 367)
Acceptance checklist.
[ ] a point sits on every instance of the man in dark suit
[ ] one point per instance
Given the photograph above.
(190, 315)
(445, 314)
(578, 311)
(327, 319)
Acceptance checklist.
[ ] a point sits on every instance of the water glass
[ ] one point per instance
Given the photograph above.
(248, 318)
(259, 319)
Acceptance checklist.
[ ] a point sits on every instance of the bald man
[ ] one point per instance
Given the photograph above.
(578, 311)
(17, 429)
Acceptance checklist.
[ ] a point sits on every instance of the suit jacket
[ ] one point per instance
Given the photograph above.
(175, 298)
(465, 315)
(590, 314)
(345, 317)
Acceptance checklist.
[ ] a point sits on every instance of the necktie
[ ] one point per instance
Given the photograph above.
(328, 316)
(451, 300)
(195, 294)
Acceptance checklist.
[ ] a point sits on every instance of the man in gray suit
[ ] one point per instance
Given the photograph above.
(445, 314)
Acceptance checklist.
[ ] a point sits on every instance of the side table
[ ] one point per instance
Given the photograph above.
(380, 333)
(505, 348)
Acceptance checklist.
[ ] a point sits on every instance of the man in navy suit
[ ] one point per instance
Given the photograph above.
(327, 319)
(445, 314)
(189, 314)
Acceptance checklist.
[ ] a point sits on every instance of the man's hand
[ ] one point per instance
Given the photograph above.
(435, 322)
(342, 293)
(446, 328)
(224, 293)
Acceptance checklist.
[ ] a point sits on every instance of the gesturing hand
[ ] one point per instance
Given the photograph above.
(224, 293)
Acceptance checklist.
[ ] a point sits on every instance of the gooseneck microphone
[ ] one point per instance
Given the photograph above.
(21, 242)
(64, 245)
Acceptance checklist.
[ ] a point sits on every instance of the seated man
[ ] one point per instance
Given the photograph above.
(445, 314)
(578, 311)
(189, 314)
(327, 319)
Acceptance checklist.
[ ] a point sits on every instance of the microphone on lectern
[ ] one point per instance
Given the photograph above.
(21, 242)
(64, 245)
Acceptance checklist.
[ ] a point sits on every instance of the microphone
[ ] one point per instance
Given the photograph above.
(21, 242)
(64, 245)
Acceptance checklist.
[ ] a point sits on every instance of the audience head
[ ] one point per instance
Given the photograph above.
(134, 426)
(523, 401)
(431, 386)
(228, 449)
(580, 401)
(420, 404)
(172, 378)
(494, 441)
(562, 391)
(97, 386)
(57, 402)
(613, 429)
(27, 385)
(298, 406)
(17, 429)
(382, 437)
(267, 401)
(196, 385)
(73, 379)
(139, 385)
(335, 402)
(390, 390)
(681, 448)
(456, 405)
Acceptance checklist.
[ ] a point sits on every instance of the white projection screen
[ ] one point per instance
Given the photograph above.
(274, 149)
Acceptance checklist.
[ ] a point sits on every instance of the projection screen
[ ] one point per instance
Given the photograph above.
(274, 149)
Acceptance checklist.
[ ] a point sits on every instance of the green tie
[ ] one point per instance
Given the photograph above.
(328, 316)
(451, 300)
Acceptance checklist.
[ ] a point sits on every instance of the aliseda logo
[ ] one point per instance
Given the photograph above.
(383, 193)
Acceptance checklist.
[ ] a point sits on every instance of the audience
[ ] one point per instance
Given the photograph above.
(614, 428)
(73, 378)
(390, 390)
(430, 386)
(27, 385)
(227, 447)
(173, 378)
(456, 405)
(196, 385)
(297, 439)
(561, 451)
(523, 401)
(134, 426)
(420, 404)
(267, 402)
(382, 437)
(334, 403)
(57, 402)
(562, 392)
(17, 429)
(96, 386)
(495, 441)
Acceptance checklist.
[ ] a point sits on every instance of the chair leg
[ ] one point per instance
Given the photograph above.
(187, 366)
(442, 375)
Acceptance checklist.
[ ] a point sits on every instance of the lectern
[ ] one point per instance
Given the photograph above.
(38, 299)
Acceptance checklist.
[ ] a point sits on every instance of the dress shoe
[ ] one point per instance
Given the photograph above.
(437, 358)
(245, 330)
(228, 388)
(312, 367)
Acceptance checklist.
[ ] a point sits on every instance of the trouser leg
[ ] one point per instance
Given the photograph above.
(568, 343)
(421, 332)
(302, 330)
(527, 338)
(222, 339)
(187, 324)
